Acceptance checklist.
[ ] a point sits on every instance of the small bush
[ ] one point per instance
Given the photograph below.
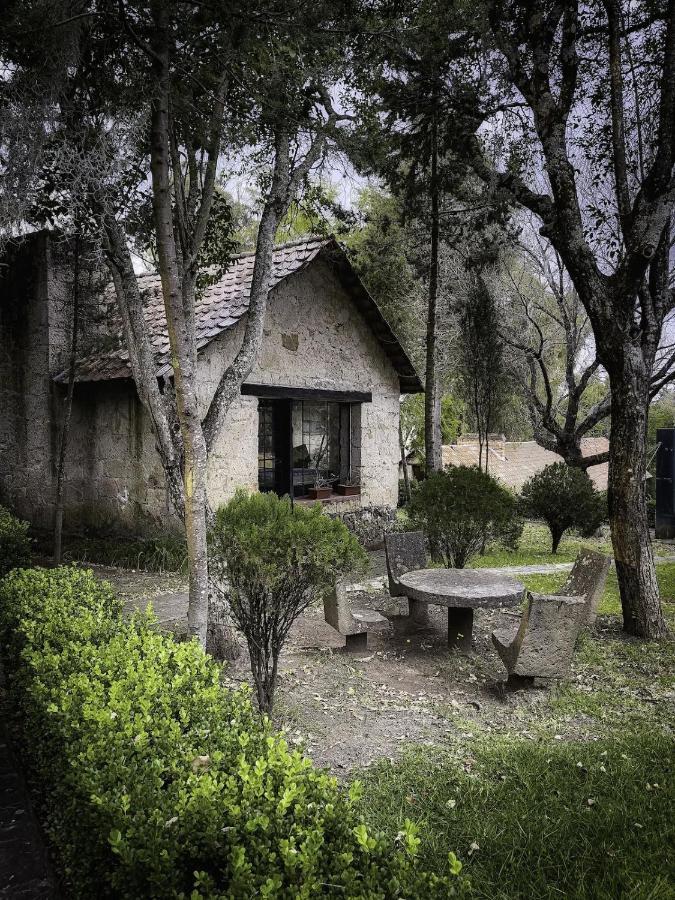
(461, 509)
(564, 497)
(273, 559)
(14, 542)
(158, 782)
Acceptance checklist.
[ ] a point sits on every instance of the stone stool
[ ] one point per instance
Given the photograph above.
(352, 623)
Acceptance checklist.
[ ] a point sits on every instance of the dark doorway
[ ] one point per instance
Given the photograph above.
(274, 446)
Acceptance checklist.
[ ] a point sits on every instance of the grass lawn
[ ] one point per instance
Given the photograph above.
(535, 549)
(540, 820)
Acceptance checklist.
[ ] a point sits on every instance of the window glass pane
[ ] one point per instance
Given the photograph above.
(316, 443)
(266, 460)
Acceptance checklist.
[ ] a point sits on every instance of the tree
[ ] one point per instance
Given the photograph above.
(273, 559)
(460, 509)
(564, 497)
(584, 97)
(555, 362)
(383, 250)
(481, 360)
(208, 76)
(402, 144)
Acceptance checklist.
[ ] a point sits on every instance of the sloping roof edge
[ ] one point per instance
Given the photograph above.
(334, 255)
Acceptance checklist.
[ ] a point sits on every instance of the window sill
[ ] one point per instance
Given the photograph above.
(332, 498)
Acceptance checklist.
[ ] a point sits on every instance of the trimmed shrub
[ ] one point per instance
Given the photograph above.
(564, 497)
(271, 560)
(14, 542)
(461, 509)
(158, 782)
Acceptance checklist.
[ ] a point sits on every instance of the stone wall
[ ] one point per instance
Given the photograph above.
(34, 336)
(314, 337)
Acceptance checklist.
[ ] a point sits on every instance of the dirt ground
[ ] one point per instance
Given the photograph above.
(350, 709)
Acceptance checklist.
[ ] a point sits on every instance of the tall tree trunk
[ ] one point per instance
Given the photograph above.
(183, 354)
(432, 400)
(635, 570)
(65, 425)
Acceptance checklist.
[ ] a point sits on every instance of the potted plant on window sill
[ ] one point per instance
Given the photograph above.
(349, 487)
(322, 487)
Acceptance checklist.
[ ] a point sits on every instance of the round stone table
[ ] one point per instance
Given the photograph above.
(462, 591)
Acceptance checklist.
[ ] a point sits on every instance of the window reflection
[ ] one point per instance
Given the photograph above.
(320, 444)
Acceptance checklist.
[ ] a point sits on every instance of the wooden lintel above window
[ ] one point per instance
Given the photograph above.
(279, 392)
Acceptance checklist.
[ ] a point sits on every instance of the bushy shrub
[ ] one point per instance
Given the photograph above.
(271, 560)
(159, 782)
(564, 497)
(461, 509)
(14, 542)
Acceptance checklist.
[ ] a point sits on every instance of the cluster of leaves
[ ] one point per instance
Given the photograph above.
(159, 782)
(272, 560)
(14, 542)
(564, 497)
(461, 509)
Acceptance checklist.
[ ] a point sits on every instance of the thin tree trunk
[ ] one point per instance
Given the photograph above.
(642, 615)
(65, 426)
(432, 404)
(404, 461)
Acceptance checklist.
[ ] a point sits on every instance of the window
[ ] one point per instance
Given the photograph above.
(266, 459)
(302, 442)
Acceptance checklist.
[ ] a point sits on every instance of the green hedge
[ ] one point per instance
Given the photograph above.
(159, 782)
(14, 542)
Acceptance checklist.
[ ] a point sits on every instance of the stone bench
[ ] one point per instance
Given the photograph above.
(352, 623)
(406, 551)
(587, 579)
(541, 645)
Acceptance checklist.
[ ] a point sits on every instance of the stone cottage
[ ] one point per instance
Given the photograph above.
(321, 406)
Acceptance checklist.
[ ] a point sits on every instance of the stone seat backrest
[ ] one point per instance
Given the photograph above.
(405, 551)
(336, 610)
(543, 644)
(587, 579)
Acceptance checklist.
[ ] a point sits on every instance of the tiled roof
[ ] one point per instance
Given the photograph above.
(513, 462)
(220, 306)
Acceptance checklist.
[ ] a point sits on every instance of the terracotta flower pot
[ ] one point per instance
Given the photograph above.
(348, 490)
(320, 493)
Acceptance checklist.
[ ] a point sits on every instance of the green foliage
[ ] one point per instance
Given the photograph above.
(564, 497)
(546, 820)
(461, 509)
(14, 542)
(159, 782)
(412, 421)
(380, 251)
(273, 559)
(160, 554)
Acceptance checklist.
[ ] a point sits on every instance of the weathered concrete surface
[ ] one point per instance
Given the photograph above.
(587, 579)
(348, 621)
(542, 644)
(405, 552)
(462, 588)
